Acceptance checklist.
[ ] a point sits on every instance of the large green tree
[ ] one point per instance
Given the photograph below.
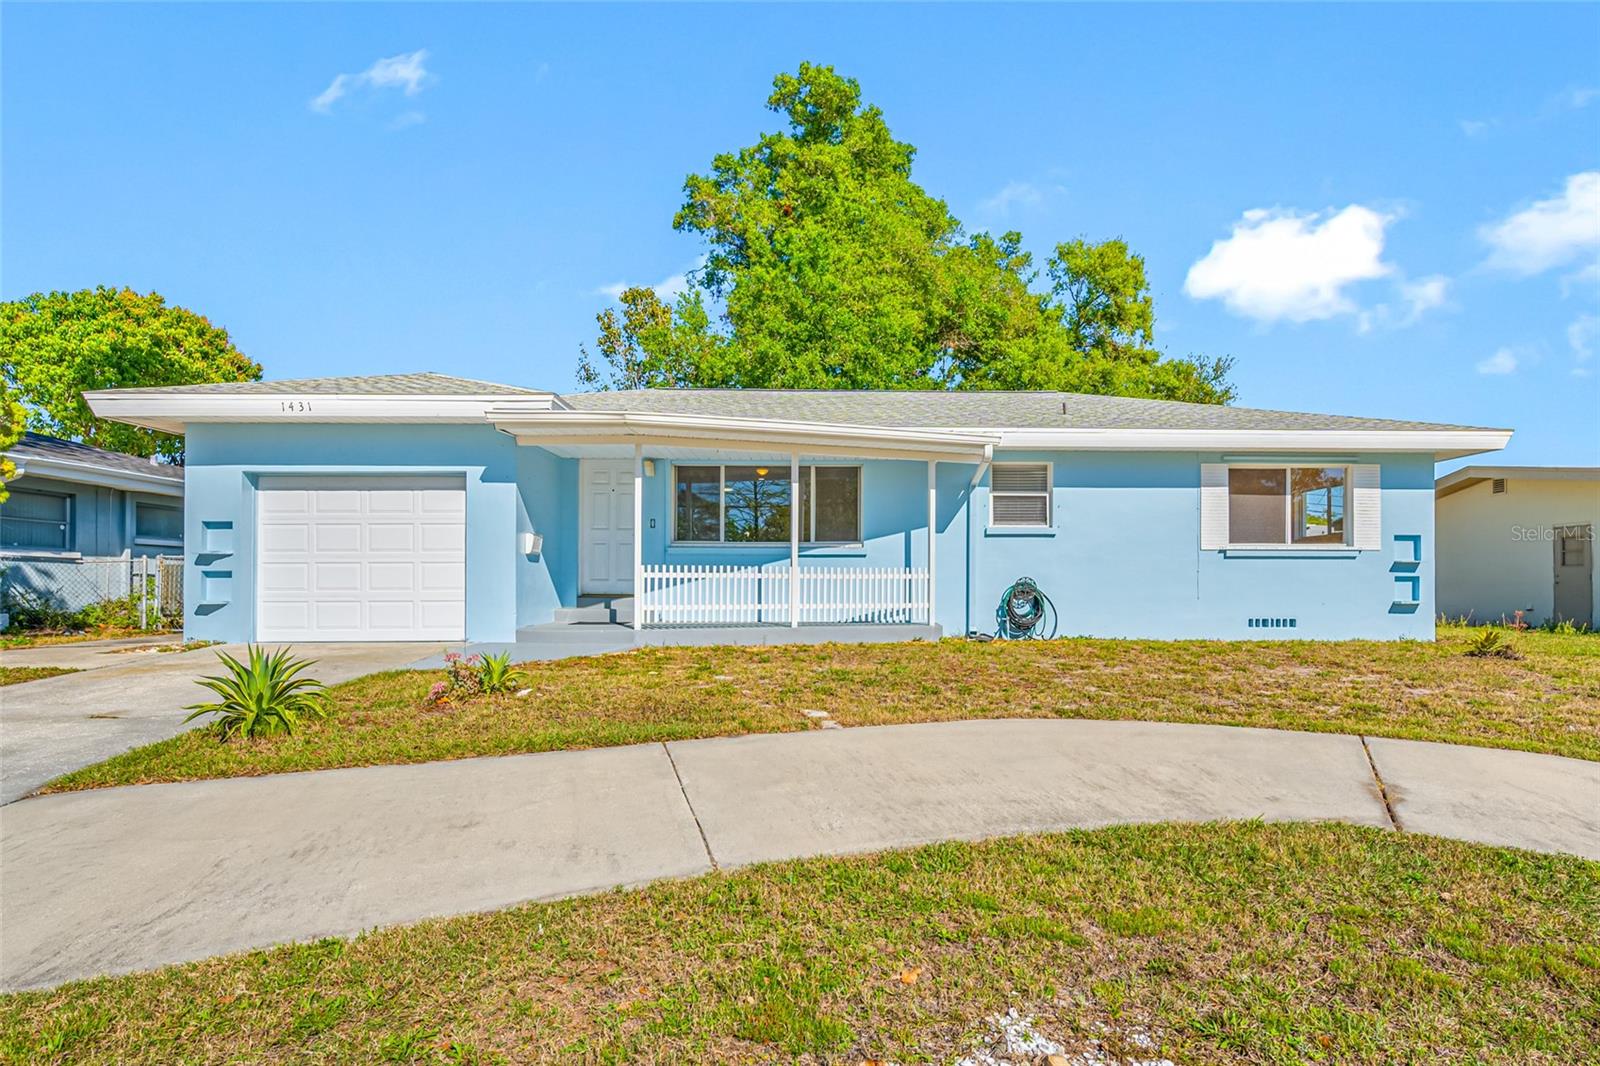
(834, 269)
(12, 421)
(55, 346)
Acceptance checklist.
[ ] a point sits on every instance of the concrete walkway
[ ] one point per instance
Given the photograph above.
(130, 878)
(123, 699)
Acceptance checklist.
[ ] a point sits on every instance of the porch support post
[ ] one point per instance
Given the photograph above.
(933, 531)
(638, 536)
(794, 539)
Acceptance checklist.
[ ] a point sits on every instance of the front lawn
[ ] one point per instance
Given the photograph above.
(1548, 701)
(1219, 943)
(15, 675)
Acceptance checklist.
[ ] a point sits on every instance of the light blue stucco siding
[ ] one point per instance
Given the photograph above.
(1123, 558)
(506, 492)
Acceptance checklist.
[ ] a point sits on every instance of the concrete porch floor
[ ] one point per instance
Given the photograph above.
(563, 640)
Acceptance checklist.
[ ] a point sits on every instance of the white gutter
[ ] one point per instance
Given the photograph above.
(90, 474)
(170, 412)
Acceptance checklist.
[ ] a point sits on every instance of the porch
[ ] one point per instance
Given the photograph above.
(693, 530)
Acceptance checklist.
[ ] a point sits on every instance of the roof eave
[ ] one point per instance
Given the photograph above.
(170, 412)
(1442, 443)
(100, 476)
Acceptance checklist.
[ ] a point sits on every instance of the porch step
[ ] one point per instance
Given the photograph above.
(597, 610)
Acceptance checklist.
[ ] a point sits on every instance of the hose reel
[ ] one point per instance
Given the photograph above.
(1025, 612)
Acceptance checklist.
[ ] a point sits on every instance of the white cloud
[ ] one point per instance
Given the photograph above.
(1014, 194)
(1582, 334)
(1280, 265)
(407, 118)
(1581, 97)
(1476, 127)
(1548, 233)
(1416, 298)
(1503, 361)
(404, 72)
(668, 288)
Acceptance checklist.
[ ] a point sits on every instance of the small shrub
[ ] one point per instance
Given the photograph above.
(1492, 644)
(497, 675)
(466, 676)
(1566, 627)
(262, 697)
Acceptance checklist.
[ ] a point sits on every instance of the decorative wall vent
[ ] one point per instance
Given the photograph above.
(1272, 623)
(1497, 486)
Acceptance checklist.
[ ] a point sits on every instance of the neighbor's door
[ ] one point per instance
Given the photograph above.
(605, 514)
(1575, 574)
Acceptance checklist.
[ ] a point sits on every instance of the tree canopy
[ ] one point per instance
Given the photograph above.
(57, 345)
(834, 269)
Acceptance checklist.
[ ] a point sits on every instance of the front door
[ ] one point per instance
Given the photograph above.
(605, 514)
(1575, 574)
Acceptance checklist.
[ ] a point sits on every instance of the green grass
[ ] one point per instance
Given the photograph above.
(1224, 943)
(1549, 701)
(16, 675)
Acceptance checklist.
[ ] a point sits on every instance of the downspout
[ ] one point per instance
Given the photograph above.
(977, 476)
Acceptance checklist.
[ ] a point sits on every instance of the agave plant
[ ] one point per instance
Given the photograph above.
(496, 674)
(262, 697)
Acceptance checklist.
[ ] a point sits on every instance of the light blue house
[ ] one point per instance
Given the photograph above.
(425, 507)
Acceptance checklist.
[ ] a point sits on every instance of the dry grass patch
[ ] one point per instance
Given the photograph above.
(15, 675)
(1548, 701)
(1223, 943)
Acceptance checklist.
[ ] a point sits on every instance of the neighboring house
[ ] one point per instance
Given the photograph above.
(1518, 538)
(72, 500)
(425, 507)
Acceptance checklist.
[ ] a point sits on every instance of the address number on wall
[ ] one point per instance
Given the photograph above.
(295, 406)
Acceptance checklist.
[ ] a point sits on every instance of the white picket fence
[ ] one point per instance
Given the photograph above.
(754, 595)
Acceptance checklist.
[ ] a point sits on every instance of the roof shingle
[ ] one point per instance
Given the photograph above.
(45, 447)
(423, 384)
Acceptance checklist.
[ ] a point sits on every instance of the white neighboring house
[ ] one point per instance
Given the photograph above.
(1517, 538)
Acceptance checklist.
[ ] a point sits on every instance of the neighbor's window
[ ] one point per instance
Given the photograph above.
(158, 522)
(1287, 505)
(750, 504)
(38, 521)
(1019, 494)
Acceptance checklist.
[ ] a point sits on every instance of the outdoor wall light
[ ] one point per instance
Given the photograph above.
(531, 543)
(649, 468)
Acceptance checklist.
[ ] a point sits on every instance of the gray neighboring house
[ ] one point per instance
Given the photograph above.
(73, 500)
(81, 523)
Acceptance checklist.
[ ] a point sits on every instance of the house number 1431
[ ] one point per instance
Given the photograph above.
(296, 405)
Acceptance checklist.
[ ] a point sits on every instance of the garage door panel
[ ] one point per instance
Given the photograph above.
(443, 502)
(286, 615)
(391, 537)
(364, 558)
(337, 577)
(338, 537)
(442, 577)
(332, 502)
(285, 577)
(443, 615)
(285, 501)
(294, 537)
(391, 577)
(442, 538)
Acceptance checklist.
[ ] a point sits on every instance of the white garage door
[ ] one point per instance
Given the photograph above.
(373, 558)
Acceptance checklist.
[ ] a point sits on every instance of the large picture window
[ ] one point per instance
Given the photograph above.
(36, 521)
(1288, 505)
(749, 504)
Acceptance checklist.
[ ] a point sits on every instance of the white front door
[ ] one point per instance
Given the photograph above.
(361, 558)
(605, 515)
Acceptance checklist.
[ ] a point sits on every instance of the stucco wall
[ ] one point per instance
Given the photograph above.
(1122, 558)
(1496, 552)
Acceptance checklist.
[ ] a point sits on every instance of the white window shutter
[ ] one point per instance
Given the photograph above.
(1366, 506)
(1213, 506)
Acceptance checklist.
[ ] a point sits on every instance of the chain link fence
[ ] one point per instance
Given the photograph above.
(41, 593)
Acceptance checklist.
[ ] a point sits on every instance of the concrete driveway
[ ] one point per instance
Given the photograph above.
(122, 699)
(130, 878)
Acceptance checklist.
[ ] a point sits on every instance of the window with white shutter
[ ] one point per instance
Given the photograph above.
(1019, 495)
(1262, 505)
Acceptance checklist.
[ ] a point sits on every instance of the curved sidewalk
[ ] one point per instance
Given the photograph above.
(130, 878)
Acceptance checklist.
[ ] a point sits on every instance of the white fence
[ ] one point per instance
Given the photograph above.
(144, 590)
(754, 595)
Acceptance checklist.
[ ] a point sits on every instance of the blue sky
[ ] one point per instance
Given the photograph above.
(1389, 211)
